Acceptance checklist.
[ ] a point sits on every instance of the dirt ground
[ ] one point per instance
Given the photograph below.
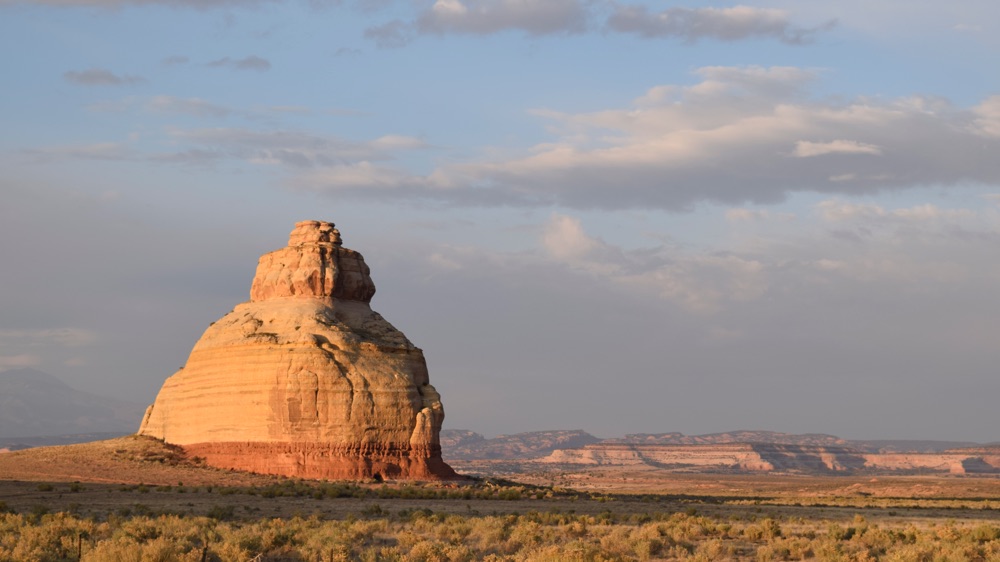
(100, 500)
(133, 475)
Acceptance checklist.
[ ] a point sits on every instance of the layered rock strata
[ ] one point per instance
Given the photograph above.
(773, 457)
(306, 379)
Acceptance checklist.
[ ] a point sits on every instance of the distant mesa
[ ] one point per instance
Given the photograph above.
(306, 379)
(731, 452)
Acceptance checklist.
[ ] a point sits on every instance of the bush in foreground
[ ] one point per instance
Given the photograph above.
(425, 536)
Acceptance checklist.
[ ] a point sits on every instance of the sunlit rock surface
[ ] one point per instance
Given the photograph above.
(306, 379)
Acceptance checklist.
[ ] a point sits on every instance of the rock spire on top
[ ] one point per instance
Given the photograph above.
(314, 232)
(313, 265)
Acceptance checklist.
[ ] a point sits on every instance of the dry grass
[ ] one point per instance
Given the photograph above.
(138, 499)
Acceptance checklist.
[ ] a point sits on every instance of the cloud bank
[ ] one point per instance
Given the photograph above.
(739, 135)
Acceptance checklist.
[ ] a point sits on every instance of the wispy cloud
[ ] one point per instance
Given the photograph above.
(753, 215)
(252, 62)
(198, 107)
(190, 106)
(838, 211)
(72, 337)
(726, 24)
(294, 149)
(90, 151)
(562, 17)
(806, 149)
(18, 361)
(534, 17)
(193, 4)
(101, 77)
(390, 35)
(914, 249)
(175, 60)
(702, 283)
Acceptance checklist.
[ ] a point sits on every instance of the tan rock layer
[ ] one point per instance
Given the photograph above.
(324, 461)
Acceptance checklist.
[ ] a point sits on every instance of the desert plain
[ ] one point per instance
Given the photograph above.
(136, 498)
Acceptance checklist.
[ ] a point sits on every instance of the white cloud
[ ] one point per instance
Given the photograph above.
(987, 120)
(917, 249)
(700, 282)
(398, 142)
(806, 149)
(565, 239)
(726, 139)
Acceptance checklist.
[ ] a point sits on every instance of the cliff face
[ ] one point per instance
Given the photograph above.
(727, 456)
(306, 379)
(768, 457)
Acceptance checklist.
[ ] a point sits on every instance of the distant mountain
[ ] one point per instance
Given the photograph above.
(913, 445)
(460, 444)
(739, 436)
(33, 403)
(800, 439)
(19, 443)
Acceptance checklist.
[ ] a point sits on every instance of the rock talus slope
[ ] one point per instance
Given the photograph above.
(306, 379)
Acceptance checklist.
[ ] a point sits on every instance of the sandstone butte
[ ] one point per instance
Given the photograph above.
(306, 379)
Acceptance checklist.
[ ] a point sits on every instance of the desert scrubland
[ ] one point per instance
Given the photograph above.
(137, 499)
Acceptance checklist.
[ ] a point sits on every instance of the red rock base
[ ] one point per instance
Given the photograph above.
(323, 461)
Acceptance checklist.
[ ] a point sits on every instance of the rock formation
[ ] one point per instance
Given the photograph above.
(771, 457)
(306, 379)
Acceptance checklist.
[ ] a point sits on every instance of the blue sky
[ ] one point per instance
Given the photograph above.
(620, 216)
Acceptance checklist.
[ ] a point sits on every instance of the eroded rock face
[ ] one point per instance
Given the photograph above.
(306, 379)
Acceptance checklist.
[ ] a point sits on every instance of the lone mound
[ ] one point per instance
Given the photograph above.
(126, 460)
(306, 379)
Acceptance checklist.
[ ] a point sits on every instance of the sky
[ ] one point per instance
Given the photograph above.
(621, 216)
